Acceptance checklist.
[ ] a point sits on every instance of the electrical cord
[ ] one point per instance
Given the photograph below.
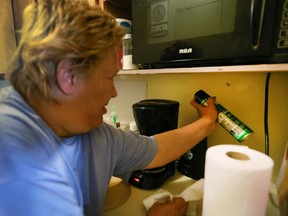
(273, 199)
(266, 130)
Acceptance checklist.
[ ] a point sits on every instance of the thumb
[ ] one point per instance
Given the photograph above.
(179, 202)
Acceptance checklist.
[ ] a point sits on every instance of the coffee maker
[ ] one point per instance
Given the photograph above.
(154, 116)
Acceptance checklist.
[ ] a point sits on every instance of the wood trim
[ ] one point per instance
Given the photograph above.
(92, 2)
(7, 36)
(18, 7)
(100, 3)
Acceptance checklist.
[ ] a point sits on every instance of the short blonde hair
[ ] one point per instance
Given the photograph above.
(54, 30)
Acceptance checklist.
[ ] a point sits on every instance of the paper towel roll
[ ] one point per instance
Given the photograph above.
(237, 181)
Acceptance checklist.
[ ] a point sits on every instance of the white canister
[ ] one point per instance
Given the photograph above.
(127, 62)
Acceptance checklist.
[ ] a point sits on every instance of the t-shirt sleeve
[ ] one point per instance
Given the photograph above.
(136, 152)
(129, 151)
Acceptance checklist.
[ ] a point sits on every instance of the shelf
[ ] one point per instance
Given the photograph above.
(214, 69)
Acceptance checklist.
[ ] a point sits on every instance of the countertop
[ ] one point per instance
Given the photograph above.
(175, 185)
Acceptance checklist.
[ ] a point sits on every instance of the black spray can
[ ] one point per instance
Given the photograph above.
(226, 119)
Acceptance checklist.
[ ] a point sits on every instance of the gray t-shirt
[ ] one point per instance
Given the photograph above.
(40, 172)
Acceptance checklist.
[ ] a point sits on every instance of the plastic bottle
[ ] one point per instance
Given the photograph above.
(114, 118)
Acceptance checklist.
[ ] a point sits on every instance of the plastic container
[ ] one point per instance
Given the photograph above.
(127, 62)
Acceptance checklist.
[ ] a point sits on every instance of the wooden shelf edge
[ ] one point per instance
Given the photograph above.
(213, 69)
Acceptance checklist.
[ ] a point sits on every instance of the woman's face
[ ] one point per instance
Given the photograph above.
(96, 90)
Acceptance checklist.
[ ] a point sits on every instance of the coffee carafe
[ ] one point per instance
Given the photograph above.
(154, 116)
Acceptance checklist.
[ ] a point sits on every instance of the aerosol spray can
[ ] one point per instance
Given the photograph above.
(226, 119)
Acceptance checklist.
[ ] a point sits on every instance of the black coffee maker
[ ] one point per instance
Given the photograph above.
(152, 117)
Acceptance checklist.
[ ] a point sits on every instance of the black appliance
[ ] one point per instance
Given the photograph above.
(152, 117)
(192, 163)
(173, 33)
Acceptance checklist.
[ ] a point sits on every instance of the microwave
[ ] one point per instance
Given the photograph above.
(187, 33)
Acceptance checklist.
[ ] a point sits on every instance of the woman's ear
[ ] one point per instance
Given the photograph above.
(65, 77)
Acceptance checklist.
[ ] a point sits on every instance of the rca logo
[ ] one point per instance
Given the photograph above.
(186, 50)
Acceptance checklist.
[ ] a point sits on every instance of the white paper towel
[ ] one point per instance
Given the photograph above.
(237, 181)
(192, 194)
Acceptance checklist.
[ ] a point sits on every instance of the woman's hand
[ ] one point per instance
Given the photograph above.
(209, 111)
(175, 207)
